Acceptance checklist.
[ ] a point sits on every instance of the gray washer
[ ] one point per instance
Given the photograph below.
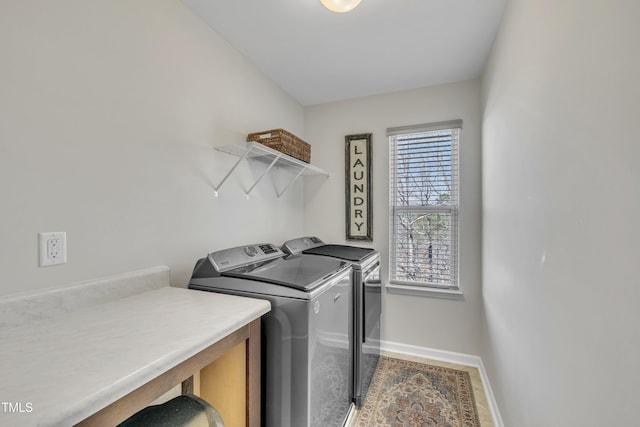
(306, 346)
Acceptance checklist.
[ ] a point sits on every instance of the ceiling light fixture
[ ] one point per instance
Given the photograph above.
(340, 5)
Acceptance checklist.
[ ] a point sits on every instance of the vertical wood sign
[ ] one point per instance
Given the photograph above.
(359, 218)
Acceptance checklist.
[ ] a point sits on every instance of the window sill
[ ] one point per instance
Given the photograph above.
(422, 291)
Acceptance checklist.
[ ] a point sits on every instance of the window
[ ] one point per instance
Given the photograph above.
(424, 205)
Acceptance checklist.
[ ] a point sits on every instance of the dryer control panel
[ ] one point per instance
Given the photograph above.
(228, 259)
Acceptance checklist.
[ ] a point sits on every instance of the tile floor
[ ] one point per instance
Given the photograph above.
(484, 413)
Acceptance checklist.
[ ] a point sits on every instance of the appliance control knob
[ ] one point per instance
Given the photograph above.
(250, 251)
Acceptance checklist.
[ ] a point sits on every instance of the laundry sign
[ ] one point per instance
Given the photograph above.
(359, 219)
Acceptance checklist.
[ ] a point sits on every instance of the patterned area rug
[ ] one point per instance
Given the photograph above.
(411, 394)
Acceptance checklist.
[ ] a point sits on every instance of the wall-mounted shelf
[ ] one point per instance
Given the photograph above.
(261, 153)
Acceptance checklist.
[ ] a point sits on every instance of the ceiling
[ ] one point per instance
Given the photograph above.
(382, 46)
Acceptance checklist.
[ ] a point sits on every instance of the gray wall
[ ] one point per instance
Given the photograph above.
(561, 203)
(414, 320)
(109, 110)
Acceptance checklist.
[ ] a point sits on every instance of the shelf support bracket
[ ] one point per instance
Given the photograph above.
(244, 156)
(275, 159)
(291, 182)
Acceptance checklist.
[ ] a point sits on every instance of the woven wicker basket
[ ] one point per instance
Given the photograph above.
(284, 142)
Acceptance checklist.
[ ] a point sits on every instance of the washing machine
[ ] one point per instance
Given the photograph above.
(307, 335)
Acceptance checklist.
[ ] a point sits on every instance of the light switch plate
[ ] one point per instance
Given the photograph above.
(53, 248)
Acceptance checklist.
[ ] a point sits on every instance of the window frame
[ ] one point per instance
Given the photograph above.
(451, 290)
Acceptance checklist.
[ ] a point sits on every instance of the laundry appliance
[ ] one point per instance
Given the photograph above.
(367, 301)
(307, 335)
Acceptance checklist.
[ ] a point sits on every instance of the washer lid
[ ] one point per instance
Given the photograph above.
(349, 253)
(303, 272)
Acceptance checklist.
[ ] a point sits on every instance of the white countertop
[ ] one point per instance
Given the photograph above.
(69, 367)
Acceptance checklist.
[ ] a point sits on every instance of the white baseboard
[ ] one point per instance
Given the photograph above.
(450, 357)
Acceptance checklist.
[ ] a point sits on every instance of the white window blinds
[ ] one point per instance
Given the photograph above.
(424, 204)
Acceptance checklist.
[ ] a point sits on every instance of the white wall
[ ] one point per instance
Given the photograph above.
(108, 114)
(414, 320)
(561, 202)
